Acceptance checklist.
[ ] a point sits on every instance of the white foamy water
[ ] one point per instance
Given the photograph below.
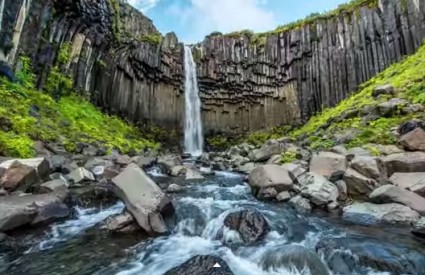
(86, 218)
(193, 136)
(156, 172)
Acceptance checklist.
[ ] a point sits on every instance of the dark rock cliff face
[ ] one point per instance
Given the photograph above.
(249, 87)
(138, 80)
(244, 86)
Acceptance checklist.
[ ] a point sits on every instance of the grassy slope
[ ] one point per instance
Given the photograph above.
(407, 76)
(72, 119)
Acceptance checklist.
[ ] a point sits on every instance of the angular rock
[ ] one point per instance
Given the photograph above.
(247, 167)
(41, 165)
(342, 189)
(122, 223)
(318, 189)
(386, 150)
(80, 175)
(390, 107)
(123, 160)
(18, 177)
(143, 199)
(169, 161)
(414, 140)
(358, 186)
(56, 163)
(367, 166)
(267, 193)
(201, 265)
(275, 159)
(17, 211)
(270, 148)
(178, 171)
(269, 175)
(339, 149)
(301, 204)
(389, 193)
(294, 170)
(250, 224)
(174, 188)
(53, 185)
(404, 162)
(193, 174)
(414, 182)
(146, 162)
(386, 89)
(295, 256)
(283, 196)
(369, 213)
(409, 126)
(328, 164)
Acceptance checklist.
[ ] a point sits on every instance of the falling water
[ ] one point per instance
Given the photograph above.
(193, 137)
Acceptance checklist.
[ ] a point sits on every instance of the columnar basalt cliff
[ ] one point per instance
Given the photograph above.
(114, 59)
(247, 85)
(244, 85)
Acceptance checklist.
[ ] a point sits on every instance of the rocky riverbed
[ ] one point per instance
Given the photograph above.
(341, 211)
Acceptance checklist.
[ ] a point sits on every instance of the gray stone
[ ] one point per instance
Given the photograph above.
(294, 170)
(145, 162)
(339, 149)
(359, 186)
(332, 206)
(267, 193)
(283, 196)
(367, 166)
(386, 89)
(247, 168)
(122, 223)
(392, 106)
(53, 185)
(301, 204)
(174, 188)
(414, 140)
(123, 160)
(414, 182)
(275, 159)
(167, 162)
(201, 264)
(80, 175)
(342, 189)
(369, 213)
(18, 177)
(390, 193)
(328, 164)
(318, 189)
(193, 174)
(178, 170)
(404, 162)
(269, 175)
(143, 199)
(270, 148)
(250, 224)
(41, 165)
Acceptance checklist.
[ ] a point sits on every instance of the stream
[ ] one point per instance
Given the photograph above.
(83, 246)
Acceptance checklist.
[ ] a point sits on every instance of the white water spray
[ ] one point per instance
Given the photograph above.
(193, 137)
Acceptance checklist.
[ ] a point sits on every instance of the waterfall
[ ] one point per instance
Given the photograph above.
(193, 137)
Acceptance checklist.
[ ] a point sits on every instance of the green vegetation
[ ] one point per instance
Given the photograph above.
(153, 39)
(407, 77)
(116, 24)
(221, 142)
(58, 83)
(27, 115)
(259, 138)
(289, 157)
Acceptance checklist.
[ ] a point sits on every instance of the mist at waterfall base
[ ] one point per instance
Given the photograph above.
(193, 137)
(83, 245)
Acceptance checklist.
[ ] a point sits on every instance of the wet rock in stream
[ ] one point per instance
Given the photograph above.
(201, 265)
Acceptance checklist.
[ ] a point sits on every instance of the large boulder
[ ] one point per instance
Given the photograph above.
(246, 168)
(300, 204)
(358, 185)
(250, 224)
(392, 106)
(41, 165)
(328, 164)
(18, 177)
(414, 182)
(270, 148)
(17, 211)
(409, 126)
(295, 256)
(294, 170)
(369, 213)
(404, 162)
(80, 175)
(390, 193)
(143, 199)
(202, 264)
(414, 140)
(53, 185)
(169, 161)
(192, 173)
(318, 189)
(122, 223)
(269, 176)
(367, 166)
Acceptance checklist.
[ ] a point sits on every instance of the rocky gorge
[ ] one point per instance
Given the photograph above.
(333, 183)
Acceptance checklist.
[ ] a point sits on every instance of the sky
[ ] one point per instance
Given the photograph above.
(192, 20)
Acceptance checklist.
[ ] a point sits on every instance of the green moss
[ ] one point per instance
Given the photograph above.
(153, 39)
(289, 157)
(116, 24)
(258, 138)
(58, 82)
(407, 76)
(34, 115)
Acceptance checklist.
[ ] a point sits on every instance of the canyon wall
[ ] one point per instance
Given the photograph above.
(244, 85)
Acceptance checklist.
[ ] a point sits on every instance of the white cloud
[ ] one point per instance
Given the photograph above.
(143, 5)
(204, 16)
